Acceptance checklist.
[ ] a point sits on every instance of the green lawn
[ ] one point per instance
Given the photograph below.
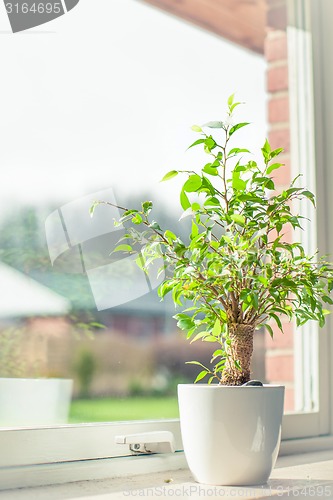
(132, 408)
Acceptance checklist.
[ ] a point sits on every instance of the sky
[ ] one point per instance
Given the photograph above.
(104, 97)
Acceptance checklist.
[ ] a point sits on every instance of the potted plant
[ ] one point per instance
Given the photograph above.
(236, 273)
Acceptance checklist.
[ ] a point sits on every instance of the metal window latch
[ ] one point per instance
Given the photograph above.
(149, 442)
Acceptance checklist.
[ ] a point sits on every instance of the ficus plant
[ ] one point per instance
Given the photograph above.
(237, 272)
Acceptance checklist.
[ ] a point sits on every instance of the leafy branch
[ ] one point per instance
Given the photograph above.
(236, 270)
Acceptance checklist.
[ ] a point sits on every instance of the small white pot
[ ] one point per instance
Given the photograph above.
(25, 402)
(231, 435)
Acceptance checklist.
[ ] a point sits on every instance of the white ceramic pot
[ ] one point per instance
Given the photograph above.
(231, 435)
(25, 402)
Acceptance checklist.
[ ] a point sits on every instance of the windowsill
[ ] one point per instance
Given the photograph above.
(307, 475)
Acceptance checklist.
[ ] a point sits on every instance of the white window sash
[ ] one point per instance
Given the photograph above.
(68, 443)
(41, 456)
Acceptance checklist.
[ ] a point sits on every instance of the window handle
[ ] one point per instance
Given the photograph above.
(149, 442)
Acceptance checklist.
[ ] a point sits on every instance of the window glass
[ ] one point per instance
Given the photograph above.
(99, 105)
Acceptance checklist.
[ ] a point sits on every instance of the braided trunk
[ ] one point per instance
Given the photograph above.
(241, 349)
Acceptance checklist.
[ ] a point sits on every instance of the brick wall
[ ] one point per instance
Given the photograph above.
(279, 351)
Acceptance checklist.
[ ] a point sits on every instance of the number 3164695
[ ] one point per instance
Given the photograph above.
(35, 8)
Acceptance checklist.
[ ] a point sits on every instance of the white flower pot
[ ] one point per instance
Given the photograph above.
(25, 402)
(231, 435)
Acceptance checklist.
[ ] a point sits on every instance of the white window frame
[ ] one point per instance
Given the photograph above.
(310, 81)
(323, 118)
(66, 453)
(310, 38)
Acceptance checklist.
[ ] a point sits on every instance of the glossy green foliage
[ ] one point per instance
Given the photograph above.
(237, 266)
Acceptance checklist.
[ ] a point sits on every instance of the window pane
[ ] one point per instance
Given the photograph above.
(101, 109)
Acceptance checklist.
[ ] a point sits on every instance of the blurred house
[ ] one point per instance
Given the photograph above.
(27, 310)
(22, 297)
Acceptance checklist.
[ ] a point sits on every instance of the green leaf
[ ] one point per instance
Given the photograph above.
(170, 236)
(184, 201)
(212, 202)
(223, 315)
(137, 219)
(195, 207)
(218, 353)
(129, 212)
(237, 151)
(270, 185)
(147, 206)
(169, 175)
(234, 106)
(270, 330)
(192, 184)
(207, 186)
(237, 365)
(240, 168)
(140, 262)
(209, 144)
(184, 322)
(263, 280)
(276, 152)
(163, 289)
(231, 99)
(254, 300)
(176, 292)
(277, 320)
(237, 182)
(199, 335)
(195, 230)
(210, 338)
(273, 167)
(310, 196)
(217, 328)
(266, 148)
(238, 219)
(195, 363)
(123, 248)
(155, 225)
(237, 127)
(195, 143)
(97, 325)
(208, 169)
(196, 128)
(201, 376)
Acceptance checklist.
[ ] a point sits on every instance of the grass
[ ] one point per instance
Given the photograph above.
(132, 408)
